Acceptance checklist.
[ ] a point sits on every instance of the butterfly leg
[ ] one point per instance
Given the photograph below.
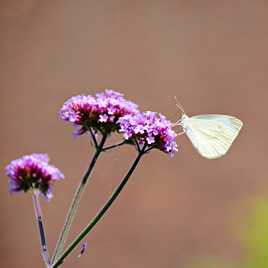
(180, 133)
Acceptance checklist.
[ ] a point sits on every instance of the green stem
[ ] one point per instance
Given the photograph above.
(113, 146)
(41, 229)
(93, 137)
(75, 202)
(100, 214)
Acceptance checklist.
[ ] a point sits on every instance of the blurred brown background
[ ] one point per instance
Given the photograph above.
(211, 54)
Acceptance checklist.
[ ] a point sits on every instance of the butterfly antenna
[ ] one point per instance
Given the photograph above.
(179, 105)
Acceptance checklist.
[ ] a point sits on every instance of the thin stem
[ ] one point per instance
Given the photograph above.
(100, 214)
(149, 149)
(137, 145)
(41, 229)
(75, 202)
(93, 138)
(113, 146)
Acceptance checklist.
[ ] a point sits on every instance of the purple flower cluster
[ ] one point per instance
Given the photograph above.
(32, 172)
(150, 128)
(109, 111)
(100, 113)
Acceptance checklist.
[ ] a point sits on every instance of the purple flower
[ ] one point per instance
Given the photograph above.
(149, 128)
(32, 172)
(101, 113)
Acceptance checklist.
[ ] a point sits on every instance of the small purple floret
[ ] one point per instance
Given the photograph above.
(151, 128)
(32, 172)
(100, 113)
(83, 248)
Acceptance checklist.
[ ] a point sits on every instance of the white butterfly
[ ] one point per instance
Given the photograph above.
(211, 134)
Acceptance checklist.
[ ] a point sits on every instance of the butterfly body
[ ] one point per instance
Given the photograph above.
(211, 134)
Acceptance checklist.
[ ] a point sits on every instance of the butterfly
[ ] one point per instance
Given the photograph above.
(211, 134)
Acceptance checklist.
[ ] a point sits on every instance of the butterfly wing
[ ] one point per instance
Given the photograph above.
(212, 134)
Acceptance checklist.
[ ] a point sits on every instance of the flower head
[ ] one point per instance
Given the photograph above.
(32, 172)
(149, 128)
(100, 113)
